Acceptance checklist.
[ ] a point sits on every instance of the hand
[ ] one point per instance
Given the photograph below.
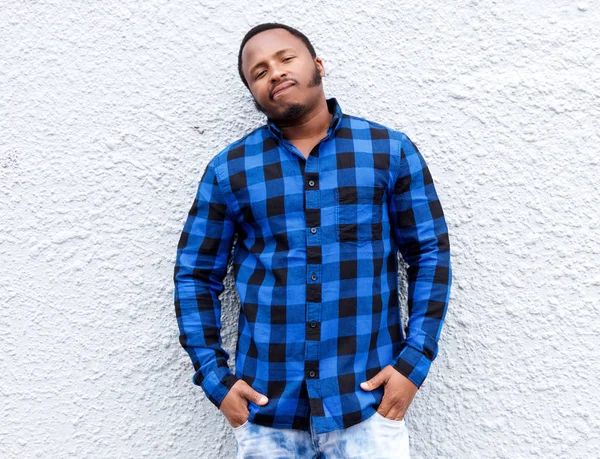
(235, 404)
(398, 392)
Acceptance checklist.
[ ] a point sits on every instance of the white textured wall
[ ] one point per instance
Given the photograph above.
(110, 111)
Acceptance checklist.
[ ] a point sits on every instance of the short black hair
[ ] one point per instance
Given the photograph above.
(267, 26)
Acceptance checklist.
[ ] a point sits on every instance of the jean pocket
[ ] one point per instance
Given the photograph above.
(241, 426)
(391, 421)
(358, 213)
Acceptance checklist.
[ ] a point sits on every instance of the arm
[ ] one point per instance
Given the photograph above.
(203, 253)
(421, 234)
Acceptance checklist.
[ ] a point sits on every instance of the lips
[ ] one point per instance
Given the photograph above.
(280, 87)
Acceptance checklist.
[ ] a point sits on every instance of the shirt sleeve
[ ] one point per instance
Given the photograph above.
(420, 232)
(203, 253)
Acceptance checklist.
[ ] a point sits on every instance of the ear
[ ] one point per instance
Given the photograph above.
(320, 66)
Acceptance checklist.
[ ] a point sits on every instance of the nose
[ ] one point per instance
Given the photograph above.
(278, 73)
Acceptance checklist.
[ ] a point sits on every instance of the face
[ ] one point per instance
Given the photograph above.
(273, 57)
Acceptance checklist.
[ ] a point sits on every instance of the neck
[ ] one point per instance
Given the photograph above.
(312, 124)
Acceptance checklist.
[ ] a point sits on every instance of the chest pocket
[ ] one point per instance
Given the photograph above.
(358, 211)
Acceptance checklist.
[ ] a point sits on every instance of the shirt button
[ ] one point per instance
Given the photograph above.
(313, 324)
(311, 373)
(311, 183)
(313, 230)
(314, 276)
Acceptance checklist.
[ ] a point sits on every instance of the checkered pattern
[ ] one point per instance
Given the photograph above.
(316, 270)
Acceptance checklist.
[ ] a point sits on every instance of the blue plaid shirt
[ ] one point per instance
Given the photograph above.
(316, 270)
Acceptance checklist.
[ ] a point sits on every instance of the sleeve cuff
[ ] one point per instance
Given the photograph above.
(216, 384)
(413, 364)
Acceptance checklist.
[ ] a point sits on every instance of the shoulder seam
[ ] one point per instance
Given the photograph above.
(241, 139)
(226, 196)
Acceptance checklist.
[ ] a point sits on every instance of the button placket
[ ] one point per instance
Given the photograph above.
(313, 273)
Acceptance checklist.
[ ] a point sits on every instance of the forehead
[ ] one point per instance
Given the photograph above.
(265, 44)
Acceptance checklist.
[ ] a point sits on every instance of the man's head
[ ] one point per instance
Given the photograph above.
(271, 54)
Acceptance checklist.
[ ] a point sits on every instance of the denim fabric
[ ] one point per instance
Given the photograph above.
(377, 437)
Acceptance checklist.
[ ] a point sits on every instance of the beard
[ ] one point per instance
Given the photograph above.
(293, 111)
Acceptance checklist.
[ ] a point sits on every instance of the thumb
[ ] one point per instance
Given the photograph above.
(256, 397)
(372, 383)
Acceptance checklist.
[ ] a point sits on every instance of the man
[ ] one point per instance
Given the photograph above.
(321, 202)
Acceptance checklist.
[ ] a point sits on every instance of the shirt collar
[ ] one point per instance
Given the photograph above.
(332, 105)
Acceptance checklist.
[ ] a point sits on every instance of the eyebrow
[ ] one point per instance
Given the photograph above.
(278, 53)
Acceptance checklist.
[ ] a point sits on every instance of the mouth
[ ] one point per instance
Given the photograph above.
(281, 89)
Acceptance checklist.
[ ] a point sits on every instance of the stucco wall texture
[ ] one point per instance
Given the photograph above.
(110, 112)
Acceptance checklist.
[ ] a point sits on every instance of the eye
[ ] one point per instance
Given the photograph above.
(258, 75)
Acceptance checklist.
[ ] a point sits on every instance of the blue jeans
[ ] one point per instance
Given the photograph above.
(377, 437)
